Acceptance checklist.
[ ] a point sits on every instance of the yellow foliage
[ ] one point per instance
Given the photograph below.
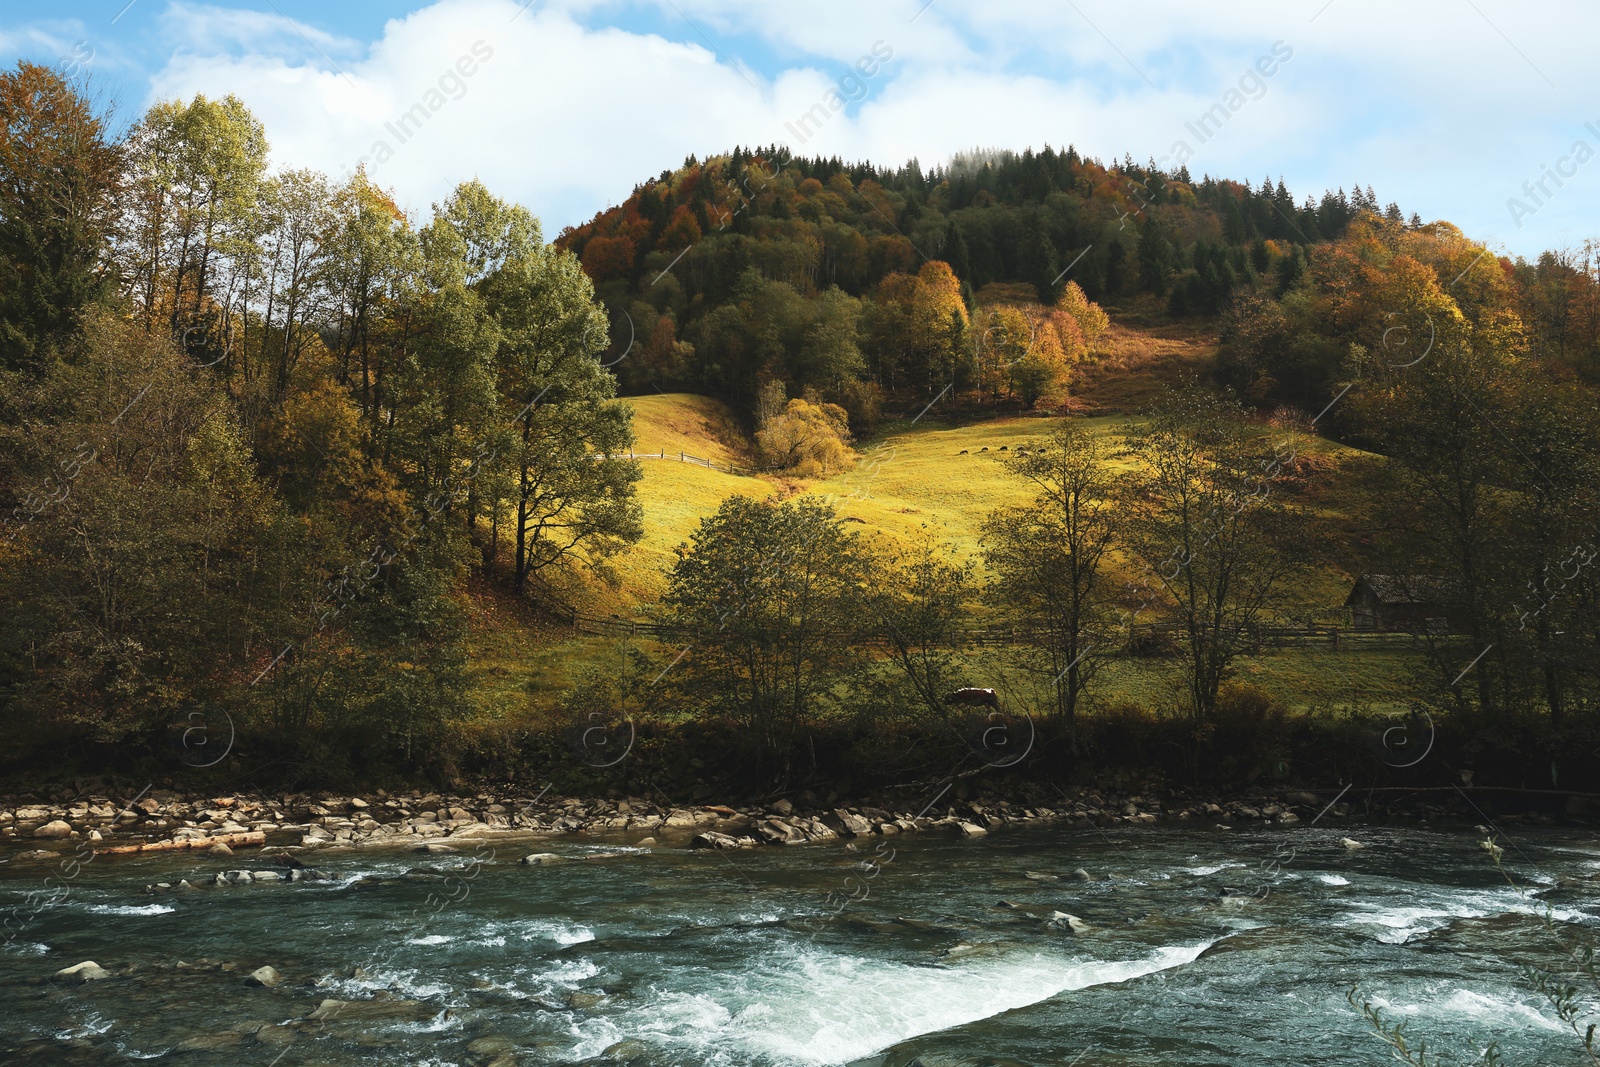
(811, 440)
(1091, 320)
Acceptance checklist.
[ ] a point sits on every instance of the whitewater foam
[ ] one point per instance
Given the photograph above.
(813, 1006)
(129, 909)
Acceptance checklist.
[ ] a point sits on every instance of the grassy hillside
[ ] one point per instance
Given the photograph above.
(911, 476)
(675, 494)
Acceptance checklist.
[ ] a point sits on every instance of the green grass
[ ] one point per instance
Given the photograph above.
(911, 478)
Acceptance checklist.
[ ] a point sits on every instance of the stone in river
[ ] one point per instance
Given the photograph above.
(87, 971)
(493, 1045)
(970, 829)
(1060, 920)
(365, 1010)
(54, 830)
(1040, 876)
(1081, 875)
(1351, 843)
(434, 846)
(221, 849)
(540, 859)
(712, 839)
(852, 823)
(209, 1042)
(264, 976)
(274, 1034)
(626, 1050)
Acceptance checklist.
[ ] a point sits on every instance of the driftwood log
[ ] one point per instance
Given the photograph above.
(252, 837)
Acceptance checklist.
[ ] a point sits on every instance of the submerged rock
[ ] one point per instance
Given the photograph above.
(1040, 876)
(210, 1042)
(541, 859)
(1351, 844)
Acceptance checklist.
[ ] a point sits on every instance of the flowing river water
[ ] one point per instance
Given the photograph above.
(666, 956)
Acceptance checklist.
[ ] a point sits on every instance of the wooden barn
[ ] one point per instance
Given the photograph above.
(1407, 602)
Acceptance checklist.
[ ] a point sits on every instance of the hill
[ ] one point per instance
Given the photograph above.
(913, 478)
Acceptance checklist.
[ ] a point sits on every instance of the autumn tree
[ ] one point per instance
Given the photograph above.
(1207, 529)
(807, 438)
(573, 487)
(1047, 558)
(58, 176)
(918, 603)
(771, 594)
(937, 324)
(191, 216)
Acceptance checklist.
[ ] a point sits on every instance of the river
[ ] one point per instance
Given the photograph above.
(915, 948)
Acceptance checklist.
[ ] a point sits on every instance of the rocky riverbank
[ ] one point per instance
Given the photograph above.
(160, 820)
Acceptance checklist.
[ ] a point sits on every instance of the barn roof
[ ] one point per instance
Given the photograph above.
(1405, 588)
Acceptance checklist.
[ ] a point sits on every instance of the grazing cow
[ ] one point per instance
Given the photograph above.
(974, 698)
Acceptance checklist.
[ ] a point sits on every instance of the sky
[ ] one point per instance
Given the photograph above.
(1482, 112)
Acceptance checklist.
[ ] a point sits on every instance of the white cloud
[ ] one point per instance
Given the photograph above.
(1431, 105)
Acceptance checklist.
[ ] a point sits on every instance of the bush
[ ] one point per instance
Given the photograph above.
(1152, 644)
(812, 440)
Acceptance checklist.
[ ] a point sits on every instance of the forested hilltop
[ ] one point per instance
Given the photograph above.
(844, 278)
(347, 494)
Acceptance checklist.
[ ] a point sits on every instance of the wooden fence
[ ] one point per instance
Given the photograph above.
(999, 636)
(699, 461)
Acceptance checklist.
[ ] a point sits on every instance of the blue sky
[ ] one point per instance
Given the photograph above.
(1457, 109)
